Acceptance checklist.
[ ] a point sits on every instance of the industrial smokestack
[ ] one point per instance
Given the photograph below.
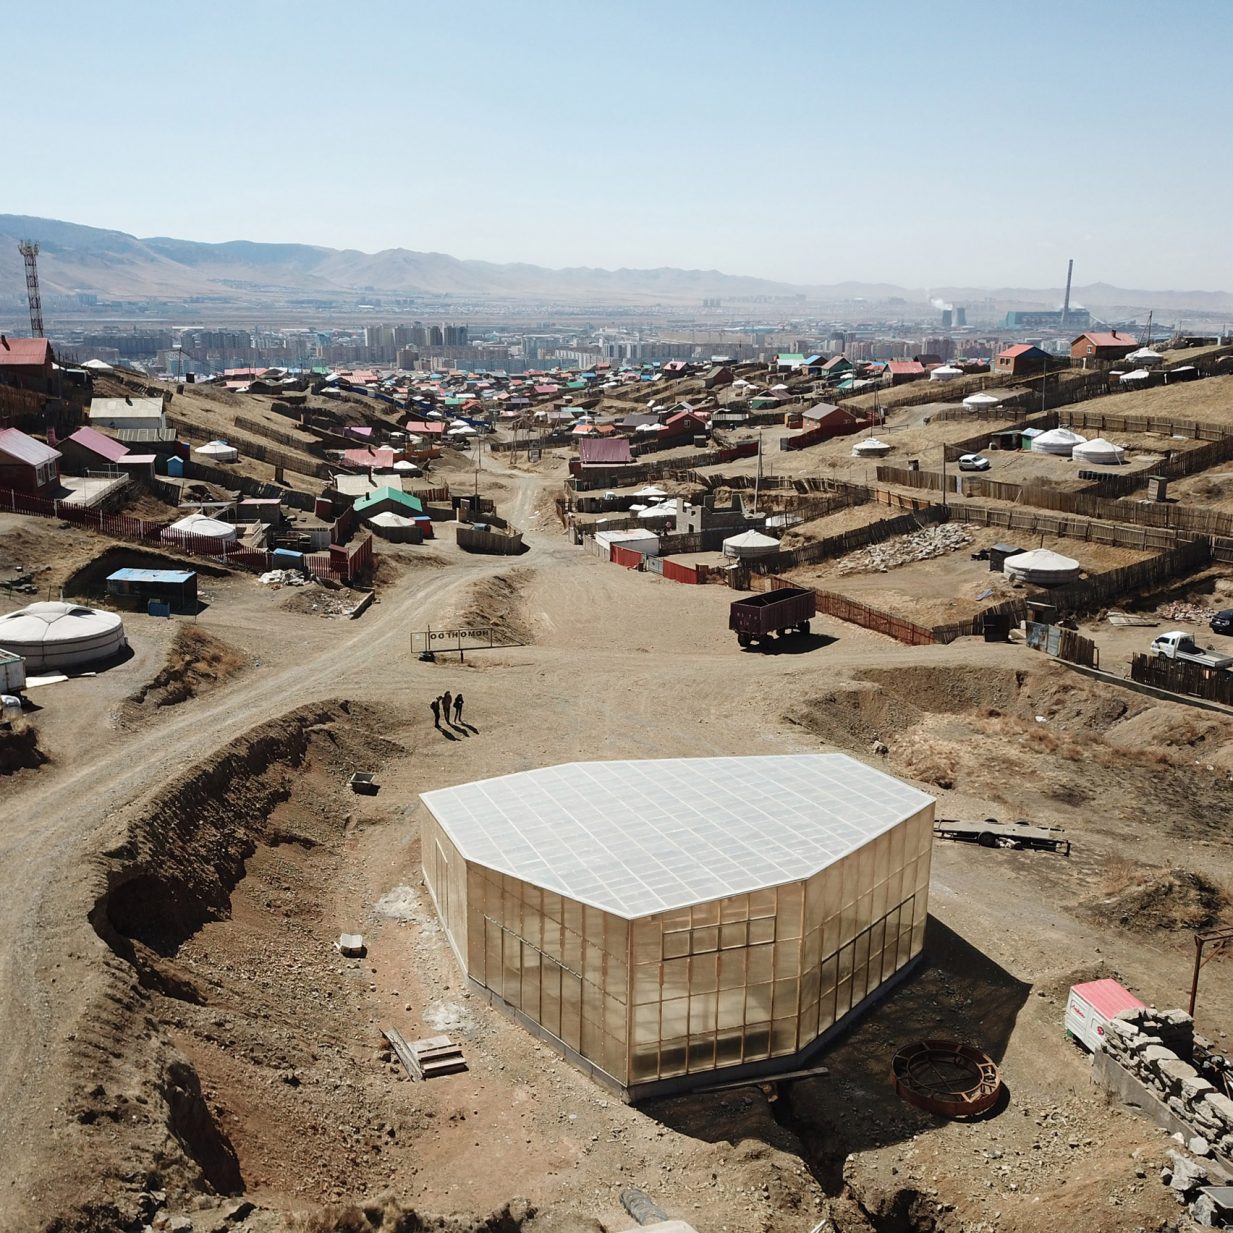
(1070, 269)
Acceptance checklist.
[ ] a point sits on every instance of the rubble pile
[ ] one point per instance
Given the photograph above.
(283, 578)
(1157, 1047)
(919, 546)
(1193, 614)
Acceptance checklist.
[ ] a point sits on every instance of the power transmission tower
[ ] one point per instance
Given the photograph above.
(30, 251)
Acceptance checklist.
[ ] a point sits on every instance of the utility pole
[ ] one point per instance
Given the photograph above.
(29, 249)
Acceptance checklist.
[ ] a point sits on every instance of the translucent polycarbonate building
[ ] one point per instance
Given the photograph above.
(663, 920)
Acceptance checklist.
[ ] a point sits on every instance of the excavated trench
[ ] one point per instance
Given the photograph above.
(174, 870)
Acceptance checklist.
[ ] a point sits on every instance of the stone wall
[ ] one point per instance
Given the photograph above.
(1158, 1048)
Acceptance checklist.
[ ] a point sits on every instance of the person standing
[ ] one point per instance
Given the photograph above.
(458, 709)
(446, 700)
(436, 712)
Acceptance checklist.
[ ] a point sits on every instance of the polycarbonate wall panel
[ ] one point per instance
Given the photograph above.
(445, 872)
(762, 975)
(561, 963)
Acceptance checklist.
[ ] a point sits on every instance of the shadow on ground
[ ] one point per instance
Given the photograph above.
(957, 992)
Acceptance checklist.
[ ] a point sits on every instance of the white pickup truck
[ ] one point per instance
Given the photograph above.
(1180, 645)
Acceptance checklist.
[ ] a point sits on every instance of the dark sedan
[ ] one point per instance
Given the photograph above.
(1222, 622)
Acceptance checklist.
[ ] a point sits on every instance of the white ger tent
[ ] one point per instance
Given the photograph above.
(55, 635)
(871, 447)
(750, 544)
(981, 399)
(200, 526)
(1060, 441)
(218, 451)
(1041, 566)
(1100, 452)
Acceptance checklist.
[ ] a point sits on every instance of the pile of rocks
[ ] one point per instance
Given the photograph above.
(1193, 614)
(903, 550)
(1156, 1047)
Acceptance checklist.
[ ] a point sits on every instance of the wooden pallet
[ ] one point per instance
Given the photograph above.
(426, 1059)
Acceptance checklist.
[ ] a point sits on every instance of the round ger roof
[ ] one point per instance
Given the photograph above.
(57, 636)
(52, 621)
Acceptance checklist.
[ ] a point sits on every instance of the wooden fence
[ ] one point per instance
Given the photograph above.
(1090, 505)
(1181, 677)
(500, 543)
(1100, 590)
(258, 429)
(1063, 643)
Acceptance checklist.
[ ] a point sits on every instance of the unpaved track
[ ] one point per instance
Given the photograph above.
(48, 824)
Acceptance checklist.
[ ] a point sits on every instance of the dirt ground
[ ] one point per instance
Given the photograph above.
(182, 1030)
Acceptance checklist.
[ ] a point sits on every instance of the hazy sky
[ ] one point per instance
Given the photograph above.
(949, 142)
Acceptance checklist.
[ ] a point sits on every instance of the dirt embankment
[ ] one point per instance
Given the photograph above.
(1049, 745)
(498, 604)
(197, 662)
(140, 1114)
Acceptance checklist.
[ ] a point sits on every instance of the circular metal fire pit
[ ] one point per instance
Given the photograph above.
(947, 1078)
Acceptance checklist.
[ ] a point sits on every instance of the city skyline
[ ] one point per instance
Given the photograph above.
(973, 148)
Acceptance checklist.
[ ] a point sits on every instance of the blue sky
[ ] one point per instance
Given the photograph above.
(969, 142)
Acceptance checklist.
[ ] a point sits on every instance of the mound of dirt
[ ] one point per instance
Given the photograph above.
(197, 662)
(316, 600)
(19, 748)
(497, 604)
(1171, 899)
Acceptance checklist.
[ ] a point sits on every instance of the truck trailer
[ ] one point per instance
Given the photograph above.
(760, 618)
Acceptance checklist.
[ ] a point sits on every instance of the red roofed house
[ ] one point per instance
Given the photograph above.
(683, 424)
(426, 428)
(90, 450)
(1111, 346)
(25, 363)
(27, 465)
(1022, 358)
(903, 371)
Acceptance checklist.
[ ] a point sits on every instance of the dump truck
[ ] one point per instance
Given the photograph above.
(760, 618)
(1177, 644)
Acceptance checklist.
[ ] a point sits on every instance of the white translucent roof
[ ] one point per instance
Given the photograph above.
(635, 838)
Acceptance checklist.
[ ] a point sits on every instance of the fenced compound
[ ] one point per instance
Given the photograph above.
(300, 463)
(848, 541)
(341, 564)
(1100, 590)
(279, 437)
(854, 613)
(1181, 677)
(1091, 505)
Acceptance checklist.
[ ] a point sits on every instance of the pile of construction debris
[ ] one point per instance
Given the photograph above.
(283, 578)
(919, 546)
(1192, 614)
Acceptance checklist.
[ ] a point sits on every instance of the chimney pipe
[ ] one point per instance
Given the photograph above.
(1070, 269)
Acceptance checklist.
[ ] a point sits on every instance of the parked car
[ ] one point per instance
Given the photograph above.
(1222, 622)
(974, 462)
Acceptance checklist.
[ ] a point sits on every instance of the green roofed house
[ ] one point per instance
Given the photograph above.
(388, 501)
(786, 361)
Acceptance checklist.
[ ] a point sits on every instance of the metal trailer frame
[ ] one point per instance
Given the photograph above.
(994, 834)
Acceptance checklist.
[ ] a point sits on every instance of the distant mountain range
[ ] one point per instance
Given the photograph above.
(113, 265)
